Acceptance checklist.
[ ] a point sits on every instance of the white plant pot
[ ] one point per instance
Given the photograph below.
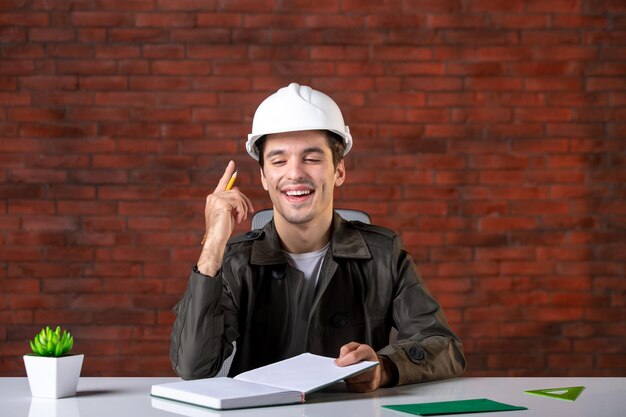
(53, 377)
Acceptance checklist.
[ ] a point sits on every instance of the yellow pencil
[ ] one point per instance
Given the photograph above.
(231, 182)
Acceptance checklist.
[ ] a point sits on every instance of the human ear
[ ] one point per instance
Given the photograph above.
(340, 174)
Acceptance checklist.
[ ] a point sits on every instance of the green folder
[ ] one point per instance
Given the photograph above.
(479, 405)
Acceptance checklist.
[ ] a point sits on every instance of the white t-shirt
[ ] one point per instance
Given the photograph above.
(310, 264)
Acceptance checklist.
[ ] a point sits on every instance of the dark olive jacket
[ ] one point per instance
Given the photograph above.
(367, 286)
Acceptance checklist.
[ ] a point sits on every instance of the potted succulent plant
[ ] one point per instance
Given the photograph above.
(52, 371)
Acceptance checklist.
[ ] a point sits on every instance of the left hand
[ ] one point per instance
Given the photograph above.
(369, 380)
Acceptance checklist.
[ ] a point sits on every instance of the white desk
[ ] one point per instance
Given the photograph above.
(118, 397)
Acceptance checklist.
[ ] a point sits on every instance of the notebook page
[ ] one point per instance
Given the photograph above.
(304, 373)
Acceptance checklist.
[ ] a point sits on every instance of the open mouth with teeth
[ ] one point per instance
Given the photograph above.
(298, 196)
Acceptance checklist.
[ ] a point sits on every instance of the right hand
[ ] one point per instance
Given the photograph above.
(222, 211)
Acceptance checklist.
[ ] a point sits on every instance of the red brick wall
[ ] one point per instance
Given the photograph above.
(490, 133)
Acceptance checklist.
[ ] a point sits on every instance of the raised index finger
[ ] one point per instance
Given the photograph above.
(228, 172)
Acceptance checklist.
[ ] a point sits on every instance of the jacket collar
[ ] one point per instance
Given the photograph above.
(346, 242)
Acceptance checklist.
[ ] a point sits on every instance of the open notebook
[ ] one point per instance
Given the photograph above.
(283, 382)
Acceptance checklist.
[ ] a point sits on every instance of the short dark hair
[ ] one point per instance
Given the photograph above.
(335, 143)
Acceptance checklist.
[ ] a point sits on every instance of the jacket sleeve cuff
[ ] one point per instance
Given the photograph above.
(405, 356)
(206, 288)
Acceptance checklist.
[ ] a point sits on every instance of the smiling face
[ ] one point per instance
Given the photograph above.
(299, 175)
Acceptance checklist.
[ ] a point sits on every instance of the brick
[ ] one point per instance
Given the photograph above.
(8, 83)
(57, 131)
(570, 360)
(51, 35)
(612, 53)
(545, 115)
(138, 35)
(186, 5)
(447, 99)
(126, 5)
(30, 207)
(37, 175)
(82, 67)
(481, 115)
(182, 131)
(398, 99)
(468, 269)
(13, 4)
(433, 6)
(577, 130)
(23, 51)
(433, 83)
(70, 50)
(573, 21)
(550, 37)
(555, 313)
(13, 34)
(103, 83)
(501, 176)
(452, 254)
(370, 6)
(527, 268)
(495, 6)
(558, 6)
(444, 224)
(605, 83)
(163, 51)
(609, 361)
(539, 207)
(493, 313)
(24, 19)
(549, 145)
(181, 68)
(102, 19)
(101, 302)
(525, 99)
(128, 317)
(416, 68)
(16, 317)
(390, 21)
(15, 99)
(422, 239)
(479, 37)
(542, 71)
(522, 253)
(117, 51)
(439, 21)
(508, 223)
(19, 286)
(605, 5)
(92, 34)
(165, 20)
(321, 53)
(37, 82)
(565, 176)
(37, 301)
(521, 21)
(98, 114)
(284, 21)
(163, 83)
(247, 6)
(204, 36)
(49, 223)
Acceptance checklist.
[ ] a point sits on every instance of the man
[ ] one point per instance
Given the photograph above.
(308, 281)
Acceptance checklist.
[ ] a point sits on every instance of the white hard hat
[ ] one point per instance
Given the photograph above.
(295, 108)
